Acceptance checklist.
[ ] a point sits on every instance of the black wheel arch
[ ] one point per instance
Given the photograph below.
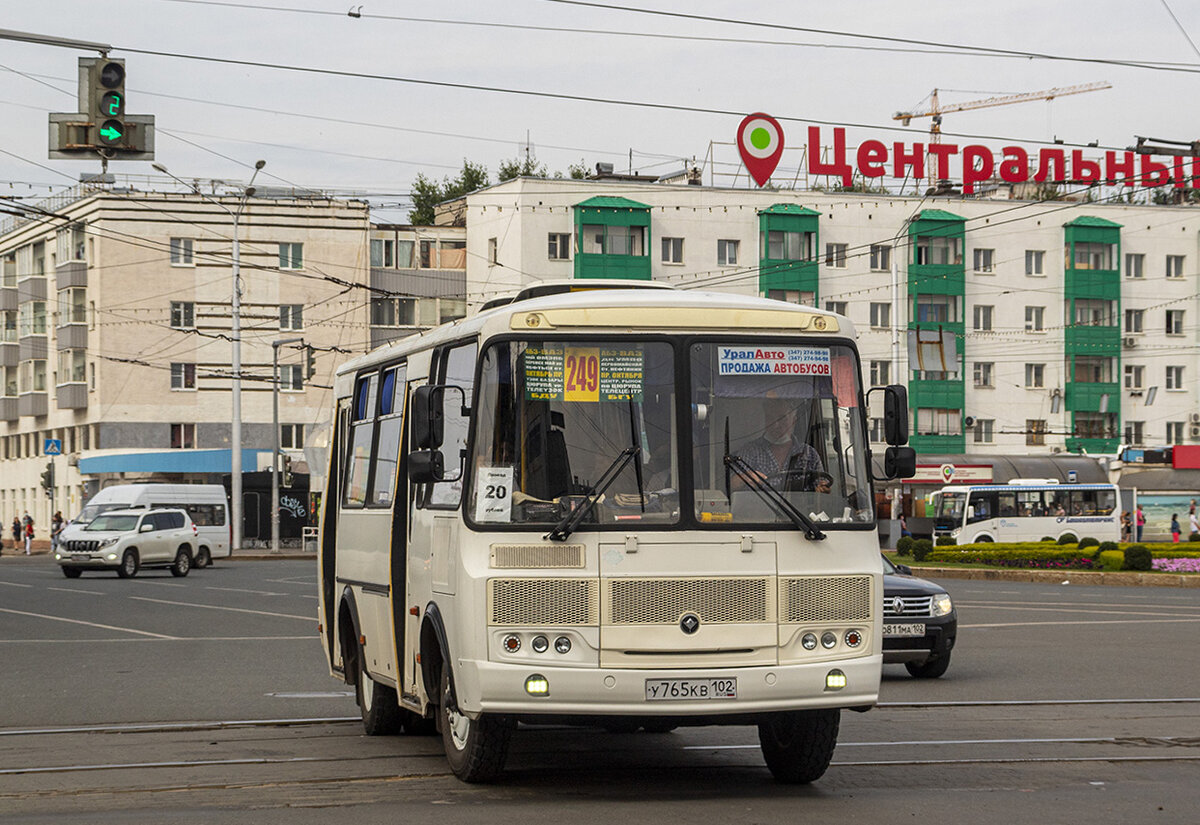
(435, 650)
(349, 632)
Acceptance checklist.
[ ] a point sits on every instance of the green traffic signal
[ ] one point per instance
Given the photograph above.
(112, 104)
(112, 132)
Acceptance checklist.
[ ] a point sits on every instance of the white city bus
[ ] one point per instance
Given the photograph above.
(550, 510)
(1023, 511)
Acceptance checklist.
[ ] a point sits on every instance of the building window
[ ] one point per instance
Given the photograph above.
(183, 315)
(1093, 312)
(291, 436)
(1034, 318)
(881, 315)
(291, 377)
(72, 366)
(9, 382)
(31, 318)
(836, 306)
(1035, 432)
(1035, 375)
(181, 252)
(672, 250)
(70, 245)
(1175, 378)
(559, 246)
(8, 327)
(1134, 263)
(984, 260)
(877, 431)
(1134, 376)
(792, 296)
(393, 312)
(1174, 266)
(183, 376)
(493, 251)
(983, 318)
(598, 239)
(937, 309)
(1093, 370)
(835, 255)
(1175, 432)
(291, 316)
(1174, 322)
(291, 256)
(881, 372)
(1035, 260)
(1092, 256)
(1135, 432)
(383, 252)
(983, 373)
(727, 253)
(789, 246)
(881, 258)
(1133, 320)
(939, 422)
(183, 436)
(983, 430)
(72, 306)
(934, 250)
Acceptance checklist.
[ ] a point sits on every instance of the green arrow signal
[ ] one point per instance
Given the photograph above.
(110, 134)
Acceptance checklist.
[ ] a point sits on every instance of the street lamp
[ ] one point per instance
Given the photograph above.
(235, 453)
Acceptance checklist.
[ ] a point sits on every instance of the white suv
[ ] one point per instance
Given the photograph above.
(127, 540)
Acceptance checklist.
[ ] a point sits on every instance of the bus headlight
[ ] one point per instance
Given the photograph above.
(537, 685)
(941, 605)
(828, 640)
(539, 644)
(562, 645)
(809, 641)
(835, 680)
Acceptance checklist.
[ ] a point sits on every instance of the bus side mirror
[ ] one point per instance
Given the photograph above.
(425, 466)
(899, 462)
(971, 511)
(895, 415)
(428, 425)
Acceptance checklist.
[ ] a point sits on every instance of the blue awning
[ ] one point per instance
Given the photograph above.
(170, 461)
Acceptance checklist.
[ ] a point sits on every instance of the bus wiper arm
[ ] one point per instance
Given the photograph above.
(773, 497)
(571, 520)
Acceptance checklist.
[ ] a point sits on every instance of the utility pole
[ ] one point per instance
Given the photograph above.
(275, 450)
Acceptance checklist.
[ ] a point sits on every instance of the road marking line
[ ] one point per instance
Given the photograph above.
(1062, 624)
(167, 639)
(88, 624)
(15, 584)
(73, 590)
(230, 609)
(240, 590)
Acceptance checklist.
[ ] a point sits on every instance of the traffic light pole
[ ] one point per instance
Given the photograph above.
(276, 450)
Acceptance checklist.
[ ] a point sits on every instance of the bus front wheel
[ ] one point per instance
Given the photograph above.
(798, 745)
(475, 748)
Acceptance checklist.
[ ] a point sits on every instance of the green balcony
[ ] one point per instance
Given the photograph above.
(1093, 445)
(938, 443)
(1089, 340)
(947, 395)
(1083, 396)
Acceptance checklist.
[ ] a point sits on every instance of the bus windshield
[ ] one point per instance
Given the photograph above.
(950, 507)
(554, 417)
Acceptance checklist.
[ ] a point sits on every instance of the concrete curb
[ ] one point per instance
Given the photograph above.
(1080, 577)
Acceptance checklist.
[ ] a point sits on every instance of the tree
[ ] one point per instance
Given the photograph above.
(427, 194)
(529, 168)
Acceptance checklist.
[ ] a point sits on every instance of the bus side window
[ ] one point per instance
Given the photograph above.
(387, 453)
(358, 452)
(458, 370)
(1008, 504)
(1106, 502)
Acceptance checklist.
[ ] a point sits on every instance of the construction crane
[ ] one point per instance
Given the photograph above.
(936, 110)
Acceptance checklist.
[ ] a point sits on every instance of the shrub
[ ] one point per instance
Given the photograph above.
(1014, 555)
(1109, 545)
(946, 541)
(904, 545)
(1194, 537)
(1088, 541)
(1067, 538)
(1138, 557)
(1110, 559)
(1047, 538)
(921, 548)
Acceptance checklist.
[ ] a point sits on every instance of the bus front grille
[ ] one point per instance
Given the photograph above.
(543, 602)
(712, 600)
(537, 556)
(810, 599)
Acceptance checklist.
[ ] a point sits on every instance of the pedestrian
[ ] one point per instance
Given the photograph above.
(56, 527)
(16, 533)
(1141, 522)
(1126, 526)
(29, 537)
(1175, 527)
(904, 531)
(1193, 524)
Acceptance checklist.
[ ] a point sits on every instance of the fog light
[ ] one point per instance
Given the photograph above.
(112, 556)
(828, 639)
(537, 685)
(853, 638)
(562, 644)
(835, 680)
(57, 557)
(512, 643)
(809, 641)
(539, 644)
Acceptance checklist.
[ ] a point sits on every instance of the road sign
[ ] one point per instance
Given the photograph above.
(760, 142)
(52, 446)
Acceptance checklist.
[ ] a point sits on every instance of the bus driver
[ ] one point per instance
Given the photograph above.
(777, 453)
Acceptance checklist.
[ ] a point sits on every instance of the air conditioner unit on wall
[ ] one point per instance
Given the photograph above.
(1129, 341)
(1195, 431)
(1196, 418)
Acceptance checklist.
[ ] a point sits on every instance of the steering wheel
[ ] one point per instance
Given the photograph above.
(793, 481)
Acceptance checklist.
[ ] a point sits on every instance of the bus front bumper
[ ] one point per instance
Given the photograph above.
(491, 687)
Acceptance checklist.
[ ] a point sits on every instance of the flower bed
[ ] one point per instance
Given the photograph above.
(1178, 565)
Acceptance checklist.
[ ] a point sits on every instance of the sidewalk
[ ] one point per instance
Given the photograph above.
(41, 551)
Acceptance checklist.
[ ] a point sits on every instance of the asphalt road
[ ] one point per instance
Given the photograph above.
(154, 700)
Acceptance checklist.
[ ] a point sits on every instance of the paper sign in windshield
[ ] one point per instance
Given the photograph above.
(584, 374)
(750, 360)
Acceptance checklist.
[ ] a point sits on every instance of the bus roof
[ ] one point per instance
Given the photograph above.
(990, 487)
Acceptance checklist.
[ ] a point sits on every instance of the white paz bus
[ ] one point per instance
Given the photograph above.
(1027, 511)
(563, 508)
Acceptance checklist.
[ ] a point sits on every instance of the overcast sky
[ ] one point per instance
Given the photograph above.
(372, 136)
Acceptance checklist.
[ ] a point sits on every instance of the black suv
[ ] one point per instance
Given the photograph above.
(919, 622)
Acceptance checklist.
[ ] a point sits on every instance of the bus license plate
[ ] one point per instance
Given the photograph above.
(903, 630)
(684, 689)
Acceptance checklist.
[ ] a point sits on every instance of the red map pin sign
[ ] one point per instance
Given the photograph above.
(760, 141)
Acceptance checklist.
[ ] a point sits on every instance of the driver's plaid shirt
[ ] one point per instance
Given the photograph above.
(801, 458)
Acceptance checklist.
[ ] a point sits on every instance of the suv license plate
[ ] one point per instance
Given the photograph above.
(903, 630)
(684, 689)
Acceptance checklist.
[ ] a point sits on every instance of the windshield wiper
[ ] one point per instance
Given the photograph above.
(571, 520)
(773, 497)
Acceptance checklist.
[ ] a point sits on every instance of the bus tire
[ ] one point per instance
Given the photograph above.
(72, 572)
(475, 748)
(985, 539)
(798, 745)
(930, 668)
(130, 564)
(378, 704)
(203, 558)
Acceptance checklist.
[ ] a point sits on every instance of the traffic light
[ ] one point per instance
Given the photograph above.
(311, 361)
(286, 479)
(48, 478)
(107, 101)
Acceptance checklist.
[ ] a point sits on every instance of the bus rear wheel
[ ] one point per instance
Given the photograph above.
(475, 748)
(798, 745)
(378, 704)
(203, 558)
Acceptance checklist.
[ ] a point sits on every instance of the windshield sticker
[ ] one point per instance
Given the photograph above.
(748, 360)
(493, 494)
(584, 374)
